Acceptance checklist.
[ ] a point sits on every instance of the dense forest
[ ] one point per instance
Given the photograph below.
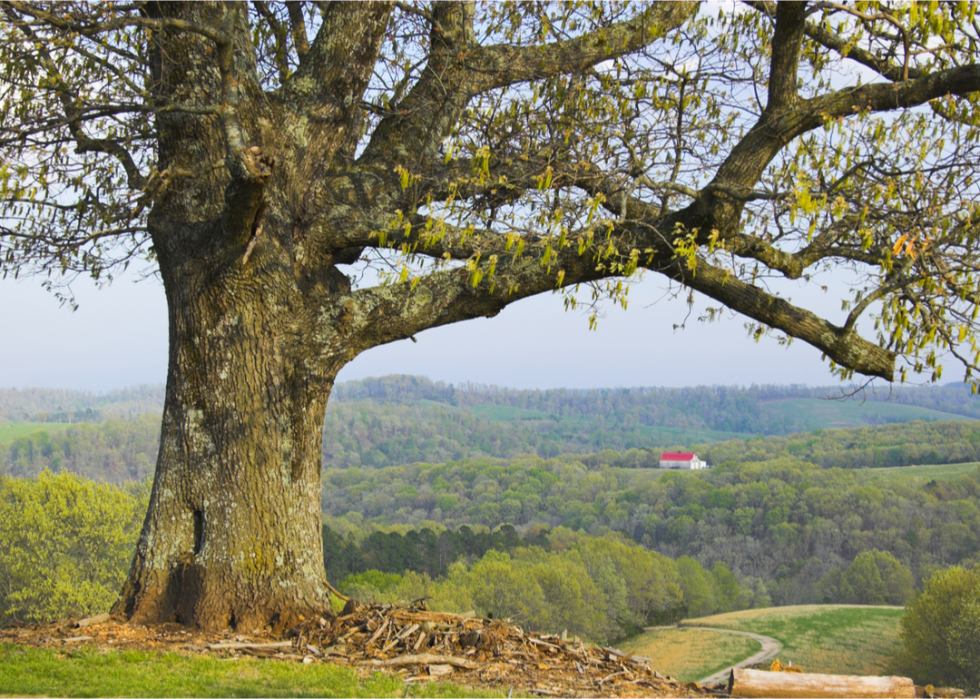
(65, 542)
(789, 523)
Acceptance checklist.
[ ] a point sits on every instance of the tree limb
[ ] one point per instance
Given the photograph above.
(845, 347)
(786, 38)
(339, 63)
(498, 66)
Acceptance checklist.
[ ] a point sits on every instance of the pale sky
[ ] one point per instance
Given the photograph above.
(118, 338)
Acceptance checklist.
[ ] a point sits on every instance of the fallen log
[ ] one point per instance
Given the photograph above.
(790, 685)
(91, 621)
(425, 659)
(250, 646)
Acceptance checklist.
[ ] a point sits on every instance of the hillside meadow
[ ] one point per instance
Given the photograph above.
(690, 654)
(922, 475)
(831, 639)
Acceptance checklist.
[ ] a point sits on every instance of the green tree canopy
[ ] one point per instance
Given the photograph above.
(941, 630)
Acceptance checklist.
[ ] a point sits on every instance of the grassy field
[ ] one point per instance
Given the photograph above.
(690, 654)
(813, 413)
(83, 673)
(9, 431)
(917, 475)
(835, 639)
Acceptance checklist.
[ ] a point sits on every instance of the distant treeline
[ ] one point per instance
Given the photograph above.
(375, 435)
(714, 408)
(66, 405)
(881, 446)
(724, 408)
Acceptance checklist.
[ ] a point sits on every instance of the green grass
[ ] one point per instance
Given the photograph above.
(812, 413)
(506, 413)
(833, 639)
(9, 431)
(690, 654)
(918, 475)
(89, 673)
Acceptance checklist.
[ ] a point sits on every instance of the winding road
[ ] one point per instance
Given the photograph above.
(770, 648)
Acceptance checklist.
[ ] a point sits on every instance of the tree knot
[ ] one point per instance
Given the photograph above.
(253, 164)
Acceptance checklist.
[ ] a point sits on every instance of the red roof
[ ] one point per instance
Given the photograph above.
(686, 456)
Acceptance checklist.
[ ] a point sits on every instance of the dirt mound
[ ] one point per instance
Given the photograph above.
(416, 644)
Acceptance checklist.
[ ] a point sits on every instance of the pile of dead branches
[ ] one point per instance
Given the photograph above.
(484, 652)
(415, 644)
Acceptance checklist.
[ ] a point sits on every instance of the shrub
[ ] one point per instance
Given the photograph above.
(65, 544)
(941, 630)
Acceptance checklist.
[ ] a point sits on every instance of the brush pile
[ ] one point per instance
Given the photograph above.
(485, 652)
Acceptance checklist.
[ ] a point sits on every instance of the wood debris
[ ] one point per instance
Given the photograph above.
(486, 652)
(415, 644)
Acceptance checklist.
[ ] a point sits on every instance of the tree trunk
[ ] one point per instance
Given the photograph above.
(232, 534)
(758, 683)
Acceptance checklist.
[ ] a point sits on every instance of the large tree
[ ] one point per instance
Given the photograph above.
(311, 180)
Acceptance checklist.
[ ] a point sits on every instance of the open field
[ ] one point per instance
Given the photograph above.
(917, 475)
(9, 431)
(26, 671)
(812, 413)
(834, 639)
(690, 654)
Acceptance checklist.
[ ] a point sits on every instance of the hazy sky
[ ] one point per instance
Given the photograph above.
(118, 337)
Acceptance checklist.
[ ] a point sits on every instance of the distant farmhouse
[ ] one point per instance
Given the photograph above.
(681, 460)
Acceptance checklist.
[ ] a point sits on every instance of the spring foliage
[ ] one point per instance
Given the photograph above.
(65, 544)
(941, 630)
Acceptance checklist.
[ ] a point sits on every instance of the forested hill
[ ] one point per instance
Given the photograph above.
(404, 419)
(756, 410)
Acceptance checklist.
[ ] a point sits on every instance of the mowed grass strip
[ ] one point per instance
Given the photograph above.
(28, 671)
(691, 654)
(832, 639)
(9, 431)
(920, 475)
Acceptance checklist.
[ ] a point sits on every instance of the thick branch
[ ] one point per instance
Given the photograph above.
(750, 157)
(399, 311)
(339, 63)
(297, 25)
(499, 66)
(419, 122)
(835, 42)
(459, 69)
(845, 347)
(790, 23)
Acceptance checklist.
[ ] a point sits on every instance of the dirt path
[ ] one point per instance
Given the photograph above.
(770, 648)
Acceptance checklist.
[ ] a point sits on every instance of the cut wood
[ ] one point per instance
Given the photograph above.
(759, 683)
(543, 643)
(92, 620)
(426, 659)
(250, 646)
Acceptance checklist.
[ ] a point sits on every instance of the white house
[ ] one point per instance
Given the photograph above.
(681, 460)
